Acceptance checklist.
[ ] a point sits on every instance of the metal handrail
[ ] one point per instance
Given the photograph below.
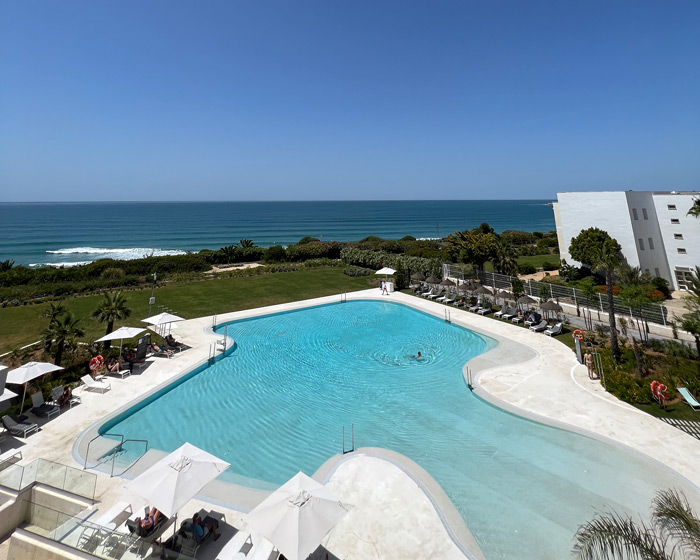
(122, 441)
(87, 451)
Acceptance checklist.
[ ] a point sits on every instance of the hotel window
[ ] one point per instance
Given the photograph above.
(671, 206)
(682, 251)
(646, 270)
(677, 236)
(657, 272)
(675, 221)
(644, 213)
(651, 243)
(634, 213)
(641, 244)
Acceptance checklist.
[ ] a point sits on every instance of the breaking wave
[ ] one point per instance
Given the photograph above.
(122, 254)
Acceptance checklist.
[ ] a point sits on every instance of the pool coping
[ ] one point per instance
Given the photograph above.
(491, 382)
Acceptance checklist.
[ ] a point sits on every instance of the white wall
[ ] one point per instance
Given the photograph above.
(649, 242)
(606, 210)
(689, 228)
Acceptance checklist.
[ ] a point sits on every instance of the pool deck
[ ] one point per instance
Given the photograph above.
(400, 512)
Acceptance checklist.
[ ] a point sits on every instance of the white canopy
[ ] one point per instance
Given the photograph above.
(175, 479)
(296, 516)
(386, 271)
(25, 373)
(162, 318)
(121, 333)
(6, 395)
(29, 371)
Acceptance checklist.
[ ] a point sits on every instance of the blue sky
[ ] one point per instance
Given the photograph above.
(319, 100)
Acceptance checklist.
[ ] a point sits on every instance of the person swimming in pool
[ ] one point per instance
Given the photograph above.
(417, 356)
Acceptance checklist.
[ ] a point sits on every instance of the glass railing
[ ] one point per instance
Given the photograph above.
(80, 533)
(75, 481)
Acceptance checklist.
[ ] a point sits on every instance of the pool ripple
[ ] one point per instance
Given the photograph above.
(279, 402)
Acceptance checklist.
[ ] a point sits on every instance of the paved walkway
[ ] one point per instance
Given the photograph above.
(552, 388)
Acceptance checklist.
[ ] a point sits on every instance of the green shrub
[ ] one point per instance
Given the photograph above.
(276, 253)
(661, 284)
(546, 265)
(307, 239)
(526, 269)
(518, 237)
(357, 271)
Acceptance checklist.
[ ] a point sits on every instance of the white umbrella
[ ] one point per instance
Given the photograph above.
(386, 271)
(297, 515)
(6, 395)
(162, 319)
(25, 373)
(175, 479)
(121, 333)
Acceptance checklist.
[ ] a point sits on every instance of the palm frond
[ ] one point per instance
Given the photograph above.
(613, 536)
(671, 512)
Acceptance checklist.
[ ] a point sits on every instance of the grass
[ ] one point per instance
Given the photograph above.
(538, 260)
(24, 325)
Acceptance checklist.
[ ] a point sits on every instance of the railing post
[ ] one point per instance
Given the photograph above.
(663, 315)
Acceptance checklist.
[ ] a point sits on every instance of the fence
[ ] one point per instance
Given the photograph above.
(16, 477)
(652, 312)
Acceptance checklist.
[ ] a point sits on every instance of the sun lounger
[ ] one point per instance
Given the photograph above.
(541, 326)
(90, 383)
(16, 428)
(111, 518)
(10, 456)
(191, 542)
(501, 312)
(474, 308)
(555, 330)
(485, 310)
(428, 293)
(512, 312)
(436, 295)
(57, 393)
(689, 398)
(42, 409)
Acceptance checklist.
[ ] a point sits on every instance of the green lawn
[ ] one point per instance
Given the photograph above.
(23, 325)
(538, 260)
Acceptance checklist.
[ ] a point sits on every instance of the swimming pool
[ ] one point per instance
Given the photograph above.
(279, 402)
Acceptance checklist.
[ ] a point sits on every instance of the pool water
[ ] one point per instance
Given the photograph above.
(279, 402)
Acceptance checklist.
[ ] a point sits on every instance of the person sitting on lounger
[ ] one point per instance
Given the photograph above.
(65, 397)
(158, 350)
(201, 530)
(170, 341)
(151, 520)
(113, 366)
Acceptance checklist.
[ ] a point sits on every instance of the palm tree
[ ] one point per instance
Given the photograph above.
(608, 257)
(504, 261)
(695, 208)
(674, 534)
(247, 243)
(55, 310)
(111, 308)
(61, 332)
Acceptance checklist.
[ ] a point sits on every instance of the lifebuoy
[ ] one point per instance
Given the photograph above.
(96, 363)
(659, 390)
(578, 335)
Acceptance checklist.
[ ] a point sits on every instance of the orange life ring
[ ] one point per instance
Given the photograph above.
(96, 363)
(659, 390)
(578, 335)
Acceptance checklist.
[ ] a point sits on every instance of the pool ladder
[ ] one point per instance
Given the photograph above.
(343, 297)
(352, 442)
(114, 449)
(219, 344)
(470, 379)
(448, 316)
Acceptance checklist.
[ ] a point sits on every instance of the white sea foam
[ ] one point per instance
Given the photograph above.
(123, 254)
(61, 264)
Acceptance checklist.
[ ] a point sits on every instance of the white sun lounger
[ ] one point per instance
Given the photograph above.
(689, 398)
(555, 330)
(539, 327)
(90, 383)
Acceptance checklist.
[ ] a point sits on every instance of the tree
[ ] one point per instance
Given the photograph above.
(504, 261)
(62, 331)
(674, 534)
(55, 310)
(695, 208)
(517, 287)
(6, 265)
(244, 243)
(111, 308)
(690, 321)
(471, 247)
(607, 257)
(229, 253)
(584, 246)
(592, 296)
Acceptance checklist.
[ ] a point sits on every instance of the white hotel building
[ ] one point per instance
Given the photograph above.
(653, 228)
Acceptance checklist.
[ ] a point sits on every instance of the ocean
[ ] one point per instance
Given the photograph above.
(69, 234)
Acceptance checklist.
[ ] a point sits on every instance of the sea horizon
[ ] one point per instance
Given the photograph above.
(74, 233)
